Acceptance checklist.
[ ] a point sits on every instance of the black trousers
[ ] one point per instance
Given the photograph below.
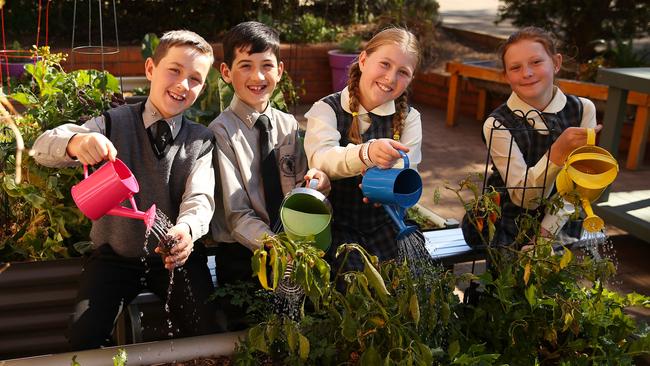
(233, 265)
(109, 282)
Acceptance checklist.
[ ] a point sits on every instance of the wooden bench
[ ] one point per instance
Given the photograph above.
(583, 89)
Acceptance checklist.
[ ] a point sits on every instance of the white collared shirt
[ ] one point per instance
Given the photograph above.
(322, 140)
(197, 203)
(241, 214)
(517, 177)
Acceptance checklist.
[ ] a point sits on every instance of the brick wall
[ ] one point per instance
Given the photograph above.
(308, 66)
(305, 63)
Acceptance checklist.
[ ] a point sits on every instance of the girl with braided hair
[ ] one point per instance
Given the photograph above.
(365, 125)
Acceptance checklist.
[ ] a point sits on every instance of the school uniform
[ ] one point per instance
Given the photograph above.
(180, 182)
(328, 149)
(526, 163)
(242, 215)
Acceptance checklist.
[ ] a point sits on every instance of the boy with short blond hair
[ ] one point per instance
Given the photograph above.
(171, 158)
(258, 159)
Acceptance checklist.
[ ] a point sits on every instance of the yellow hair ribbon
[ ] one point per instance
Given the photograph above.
(354, 114)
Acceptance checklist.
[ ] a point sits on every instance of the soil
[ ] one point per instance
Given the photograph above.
(218, 361)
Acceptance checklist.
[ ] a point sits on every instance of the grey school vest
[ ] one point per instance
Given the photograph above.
(162, 181)
(533, 146)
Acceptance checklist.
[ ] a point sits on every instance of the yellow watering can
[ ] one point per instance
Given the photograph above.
(587, 171)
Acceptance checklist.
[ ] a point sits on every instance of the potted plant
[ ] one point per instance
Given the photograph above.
(340, 60)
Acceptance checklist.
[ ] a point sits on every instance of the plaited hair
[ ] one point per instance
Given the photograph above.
(534, 34)
(177, 38)
(397, 36)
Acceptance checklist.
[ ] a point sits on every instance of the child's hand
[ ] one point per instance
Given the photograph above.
(182, 248)
(324, 185)
(91, 148)
(384, 152)
(570, 139)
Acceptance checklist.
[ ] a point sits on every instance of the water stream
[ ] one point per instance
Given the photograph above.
(288, 296)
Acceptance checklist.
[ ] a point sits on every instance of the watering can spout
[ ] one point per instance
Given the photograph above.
(397, 215)
(148, 216)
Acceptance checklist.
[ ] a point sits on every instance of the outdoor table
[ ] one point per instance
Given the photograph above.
(629, 211)
(620, 82)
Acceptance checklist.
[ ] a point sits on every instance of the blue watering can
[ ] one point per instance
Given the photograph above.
(396, 190)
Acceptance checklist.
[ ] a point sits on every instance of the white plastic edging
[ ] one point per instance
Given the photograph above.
(143, 354)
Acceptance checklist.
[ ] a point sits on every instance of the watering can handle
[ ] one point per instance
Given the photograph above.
(405, 158)
(591, 137)
(313, 183)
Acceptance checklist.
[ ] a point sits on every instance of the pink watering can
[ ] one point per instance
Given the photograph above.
(102, 192)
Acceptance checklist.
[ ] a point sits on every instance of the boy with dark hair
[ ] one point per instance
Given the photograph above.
(171, 158)
(258, 159)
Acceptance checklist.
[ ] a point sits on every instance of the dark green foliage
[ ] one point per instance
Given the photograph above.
(39, 219)
(533, 307)
(577, 23)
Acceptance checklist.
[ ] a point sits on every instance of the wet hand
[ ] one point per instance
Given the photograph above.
(384, 152)
(91, 148)
(570, 139)
(182, 248)
(324, 186)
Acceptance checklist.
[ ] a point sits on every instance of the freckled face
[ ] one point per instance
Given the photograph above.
(530, 70)
(385, 74)
(177, 80)
(253, 76)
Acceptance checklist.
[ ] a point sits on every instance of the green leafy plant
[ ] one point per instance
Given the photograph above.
(149, 43)
(40, 221)
(571, 20)
(218, 94)
(350, 44)
(384, 315)
(534, 307)
(307, 28)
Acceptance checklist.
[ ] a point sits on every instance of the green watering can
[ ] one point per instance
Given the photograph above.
(306, 214)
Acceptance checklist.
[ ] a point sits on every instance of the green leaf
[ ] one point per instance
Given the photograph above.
(257, 339)
(292, 336)
(35, 200)
(454, 348)
(349, 327)
(414, 308)
(304, 347)
(566, 258)
(370, 357)
(374, 277)
(530, 295)
(121, 358)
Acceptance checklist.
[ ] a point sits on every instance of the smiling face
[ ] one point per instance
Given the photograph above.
(177, 80)
(529, 69)
(253, 76)
(385, 74)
